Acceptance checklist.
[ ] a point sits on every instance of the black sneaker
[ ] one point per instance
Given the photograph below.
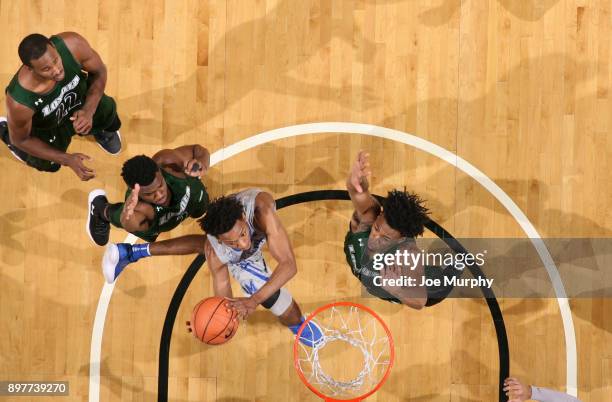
(97, 227)
(17, 153)
(110, 141)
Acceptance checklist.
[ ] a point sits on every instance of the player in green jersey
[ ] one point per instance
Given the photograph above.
(386, 229)
(163, 191)
(56, 93)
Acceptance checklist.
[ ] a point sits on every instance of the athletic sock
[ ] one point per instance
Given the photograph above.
(296, 327)
(110, 209)
(140, 251)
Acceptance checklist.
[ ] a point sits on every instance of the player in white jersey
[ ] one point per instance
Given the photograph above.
(236, 229)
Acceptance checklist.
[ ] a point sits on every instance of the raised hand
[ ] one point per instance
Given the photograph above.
(360, 171)
(130, 204)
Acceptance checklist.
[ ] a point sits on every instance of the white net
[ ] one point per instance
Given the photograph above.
(353, 356)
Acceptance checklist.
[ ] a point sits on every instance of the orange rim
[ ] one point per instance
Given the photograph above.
(296, 351)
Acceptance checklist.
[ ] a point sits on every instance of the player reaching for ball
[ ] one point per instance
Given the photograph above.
(162, 192)
(237, 227)
(385, 229)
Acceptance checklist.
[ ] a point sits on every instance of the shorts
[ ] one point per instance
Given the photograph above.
(105, 119)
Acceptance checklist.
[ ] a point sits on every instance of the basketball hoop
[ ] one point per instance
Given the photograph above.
(361, 335)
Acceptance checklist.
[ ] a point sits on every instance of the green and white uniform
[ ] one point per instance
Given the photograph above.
(362, 267)
(52, 111)
(188, 198)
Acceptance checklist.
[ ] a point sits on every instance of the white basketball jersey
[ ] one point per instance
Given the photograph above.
(229, 255)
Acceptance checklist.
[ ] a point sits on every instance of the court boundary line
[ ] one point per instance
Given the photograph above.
(95, 349)
(407, 139)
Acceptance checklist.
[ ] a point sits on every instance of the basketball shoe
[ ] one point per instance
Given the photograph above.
(118, 256)
(311, 336)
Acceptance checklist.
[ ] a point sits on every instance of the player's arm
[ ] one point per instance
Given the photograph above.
(139, 220)
(92, 63)
(278, 244)
(20, 127)
(184, 159)
(366, 207)
(136, 216)
(220, 275)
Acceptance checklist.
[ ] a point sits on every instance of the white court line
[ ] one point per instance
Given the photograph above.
(419, 143)
(95, 350)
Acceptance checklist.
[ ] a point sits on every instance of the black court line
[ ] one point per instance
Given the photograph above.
(321, 195)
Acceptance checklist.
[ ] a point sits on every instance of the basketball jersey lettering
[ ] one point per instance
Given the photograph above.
(249, 287)
(50, 108)
(71, 100)
(182, 213)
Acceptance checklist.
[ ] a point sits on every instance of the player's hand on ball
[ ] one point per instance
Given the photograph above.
(194, 168)
(360, 171)
(82, 121)
(76, 162)
(244, 306)
(130, 203)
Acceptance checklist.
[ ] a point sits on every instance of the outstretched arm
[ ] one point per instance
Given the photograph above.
(520, 392)
(184, 159)
(280, 248)
(366, 206)
(220, 274)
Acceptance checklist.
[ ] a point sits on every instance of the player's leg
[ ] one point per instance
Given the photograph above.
(58, 138)
(4, 134)
(101, 214)
(118, 256)
(252, 275)
(106, 124)
(291, 316)
(293, 319)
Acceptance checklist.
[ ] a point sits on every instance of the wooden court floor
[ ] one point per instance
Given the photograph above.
(520, 89)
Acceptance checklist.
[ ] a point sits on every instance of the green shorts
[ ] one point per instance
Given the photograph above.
(60, 137)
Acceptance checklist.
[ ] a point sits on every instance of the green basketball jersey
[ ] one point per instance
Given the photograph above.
(54, 109)
(362, 267)
(188, 199)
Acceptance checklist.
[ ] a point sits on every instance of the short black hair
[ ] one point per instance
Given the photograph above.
(405, 213)
(221, 215)
(32, 47)
(140, 169)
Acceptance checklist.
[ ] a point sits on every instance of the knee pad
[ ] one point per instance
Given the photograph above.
(279, 302)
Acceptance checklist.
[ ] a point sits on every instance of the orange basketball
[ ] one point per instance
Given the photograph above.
(211, 323)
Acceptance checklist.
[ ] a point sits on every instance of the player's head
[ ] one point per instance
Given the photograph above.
(39, 55)
(225, 220)
(143, 171)
(403, 216)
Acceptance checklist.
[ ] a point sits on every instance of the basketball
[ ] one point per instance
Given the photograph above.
(211, 322)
